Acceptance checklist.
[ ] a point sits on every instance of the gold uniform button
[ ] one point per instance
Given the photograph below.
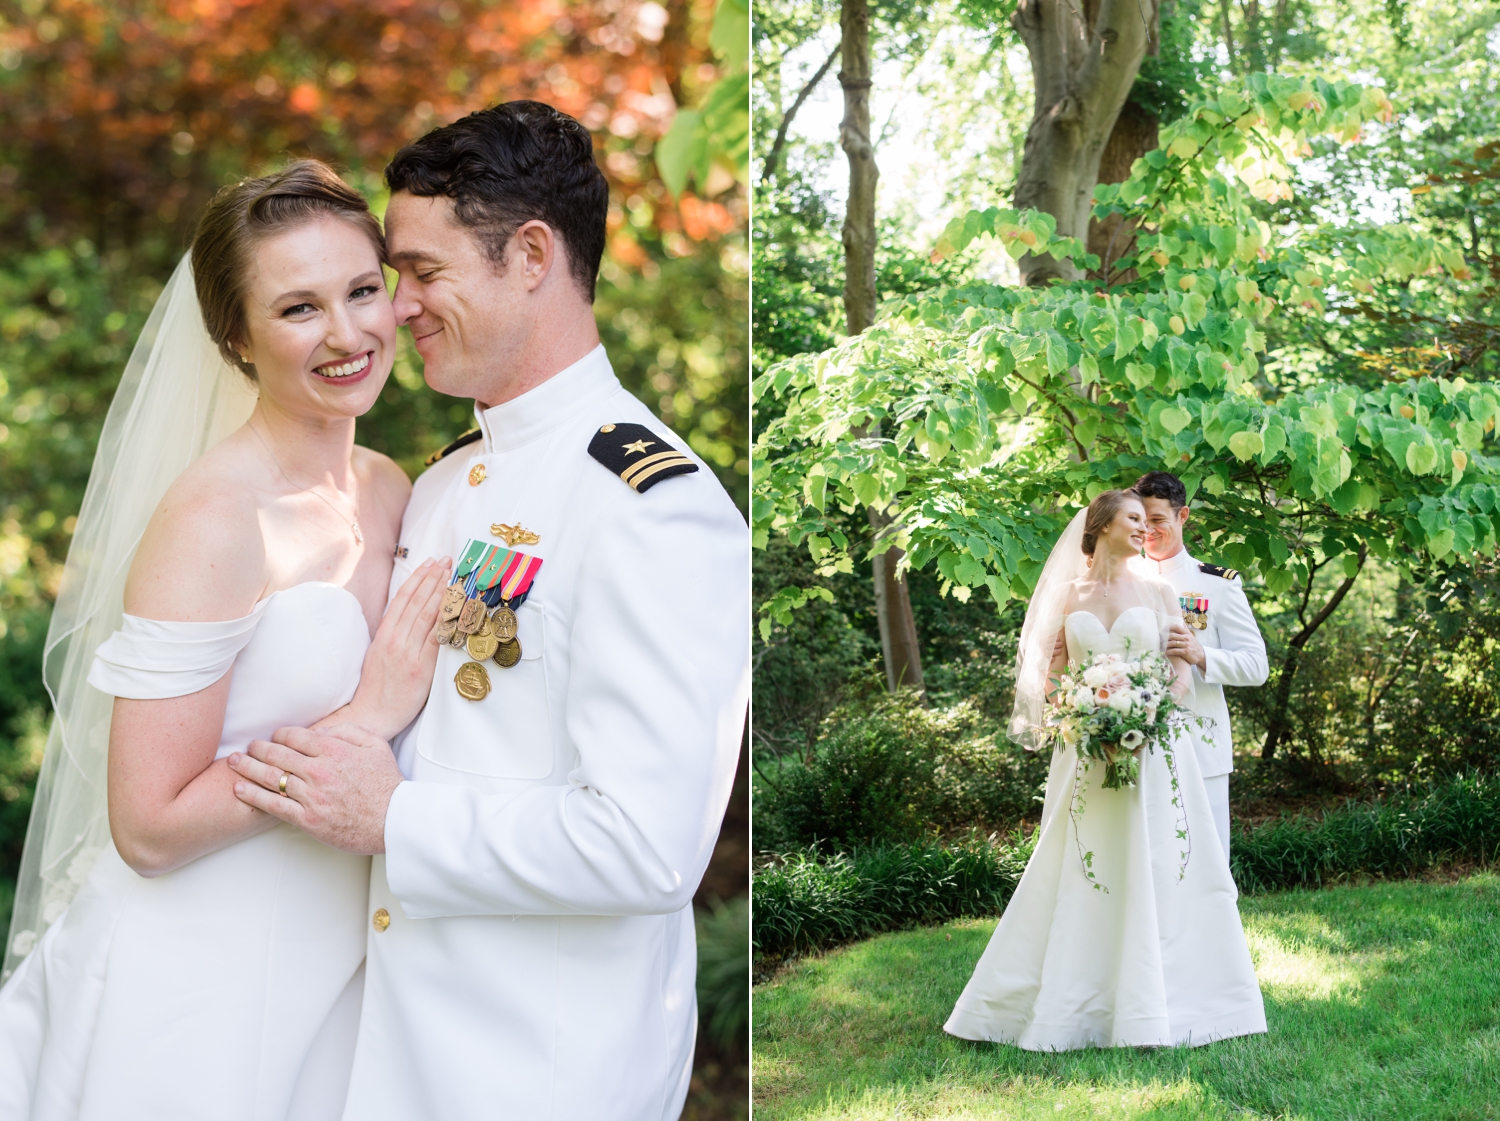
(382, 919)
(607, 428)
(476, 474)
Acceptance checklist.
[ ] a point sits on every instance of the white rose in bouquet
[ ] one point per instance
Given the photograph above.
(1122, 702)
(1096, 676)
(1083, 699)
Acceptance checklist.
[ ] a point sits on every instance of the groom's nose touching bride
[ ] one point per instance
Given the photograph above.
(540, 829)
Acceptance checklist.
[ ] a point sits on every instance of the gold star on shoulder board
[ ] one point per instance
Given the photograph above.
(638, 448)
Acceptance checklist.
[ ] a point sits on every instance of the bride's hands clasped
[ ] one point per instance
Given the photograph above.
(398, 667)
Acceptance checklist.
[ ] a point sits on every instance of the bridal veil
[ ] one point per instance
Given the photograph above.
(1044, 618)
(176, 399)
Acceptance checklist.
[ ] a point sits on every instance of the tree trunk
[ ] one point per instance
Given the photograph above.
(1083, 62)
(854, 138)
(898, 627)
(1279, 724)
(1135, 133)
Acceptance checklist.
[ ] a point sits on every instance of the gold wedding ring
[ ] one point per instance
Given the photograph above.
(281, 786)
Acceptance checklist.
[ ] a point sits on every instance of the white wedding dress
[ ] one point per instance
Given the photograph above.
(229, 989)
(1153, 961)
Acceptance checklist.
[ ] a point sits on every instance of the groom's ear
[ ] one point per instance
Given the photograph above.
(1182, 516)
(534, 250)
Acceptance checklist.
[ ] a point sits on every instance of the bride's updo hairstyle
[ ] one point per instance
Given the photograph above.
(246, 213)
(1102, 511)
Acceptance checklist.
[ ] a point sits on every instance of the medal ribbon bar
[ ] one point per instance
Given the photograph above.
(497, 574)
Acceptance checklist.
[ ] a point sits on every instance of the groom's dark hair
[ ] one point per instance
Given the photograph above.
(517, 162)
(1162, 484)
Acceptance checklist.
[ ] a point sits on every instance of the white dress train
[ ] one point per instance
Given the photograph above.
(230, 988)
(1156, 960)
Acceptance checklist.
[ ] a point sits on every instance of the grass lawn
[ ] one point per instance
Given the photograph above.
(1383, 1001)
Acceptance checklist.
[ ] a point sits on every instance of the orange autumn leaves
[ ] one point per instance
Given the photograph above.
(149, 106)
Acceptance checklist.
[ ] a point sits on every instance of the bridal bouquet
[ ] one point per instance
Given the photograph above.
(1113, 707)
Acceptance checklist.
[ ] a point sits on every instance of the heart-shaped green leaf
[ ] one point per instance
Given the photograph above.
(1175, 419)
(1421, 458)
(1244, 444)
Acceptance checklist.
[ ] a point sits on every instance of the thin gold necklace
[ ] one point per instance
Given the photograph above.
(359, 538)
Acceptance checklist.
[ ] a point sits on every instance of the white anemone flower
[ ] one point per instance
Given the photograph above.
(1132, 739)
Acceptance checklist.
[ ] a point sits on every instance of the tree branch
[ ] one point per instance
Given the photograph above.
(1300, 638)
(786, 121)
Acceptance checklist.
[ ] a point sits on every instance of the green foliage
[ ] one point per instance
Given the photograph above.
(804, 902)
(1401, 835)
(718, 130)
(1399, 686)
(23, 731)
(999, 410)
(724, 971)
(888, 768)
(803, 672)
(1178, 73)
(678, 336)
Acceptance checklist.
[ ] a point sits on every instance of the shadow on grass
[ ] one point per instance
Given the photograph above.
(1383, 1001)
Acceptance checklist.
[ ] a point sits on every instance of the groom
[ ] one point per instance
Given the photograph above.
(1218, 636)
(531, 950)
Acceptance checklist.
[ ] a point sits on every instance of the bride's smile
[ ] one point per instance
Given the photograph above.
(352, 370)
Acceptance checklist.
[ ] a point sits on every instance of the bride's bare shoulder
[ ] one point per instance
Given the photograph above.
(381, 477)
(202, 556)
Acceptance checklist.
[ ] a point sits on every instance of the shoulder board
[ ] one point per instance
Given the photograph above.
(638, 455)
(463, 441)
(1219, 570)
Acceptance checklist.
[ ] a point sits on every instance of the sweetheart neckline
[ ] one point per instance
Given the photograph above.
(1110, 630)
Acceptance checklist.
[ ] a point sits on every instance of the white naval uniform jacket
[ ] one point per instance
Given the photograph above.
(1234, 653)
(541, 862)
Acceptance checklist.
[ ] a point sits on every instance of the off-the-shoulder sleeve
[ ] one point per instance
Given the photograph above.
(148, 659)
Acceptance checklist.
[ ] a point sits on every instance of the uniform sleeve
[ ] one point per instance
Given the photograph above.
(1241, 656)
(659, 680)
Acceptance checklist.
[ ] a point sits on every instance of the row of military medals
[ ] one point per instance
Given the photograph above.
(482, 621)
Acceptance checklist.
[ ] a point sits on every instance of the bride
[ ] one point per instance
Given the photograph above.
(175, 953)
(1157, 958)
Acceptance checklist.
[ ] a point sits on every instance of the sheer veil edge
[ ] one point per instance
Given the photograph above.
(177, 398)
(1044, 618)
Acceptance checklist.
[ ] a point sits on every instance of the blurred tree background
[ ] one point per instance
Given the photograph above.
(119, 120)
(1398, 687)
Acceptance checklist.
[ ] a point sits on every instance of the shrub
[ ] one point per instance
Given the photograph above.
(1397, 836)
(804, 901)
(890, 770)
(808, 901)
(724, 971)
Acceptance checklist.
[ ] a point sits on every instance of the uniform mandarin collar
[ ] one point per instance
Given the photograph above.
(538, 411)
(1179, 560)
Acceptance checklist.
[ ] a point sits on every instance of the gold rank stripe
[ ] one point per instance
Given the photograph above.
(643, 469)
(681, 461)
